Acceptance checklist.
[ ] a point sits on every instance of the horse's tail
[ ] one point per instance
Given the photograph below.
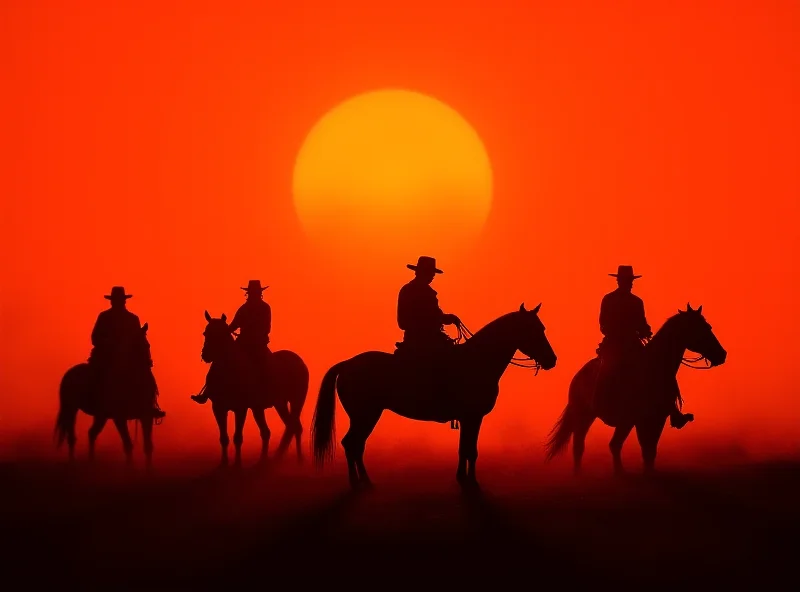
(571, 417)
(323, 424)
(559, 436)
(68, 407)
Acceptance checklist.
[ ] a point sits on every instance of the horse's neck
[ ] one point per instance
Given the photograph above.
(227, 360)
(492, 347)
(666, 350)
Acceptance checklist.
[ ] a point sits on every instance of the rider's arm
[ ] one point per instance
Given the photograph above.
(604, 317)
(267, 318)
(644, 328)
(401, 310)
(236, 323)
(99, 331)
(440, 315)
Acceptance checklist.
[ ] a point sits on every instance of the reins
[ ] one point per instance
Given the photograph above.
(689, 361)
(464, 334)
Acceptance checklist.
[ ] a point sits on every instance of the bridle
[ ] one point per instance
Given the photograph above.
(464, 334)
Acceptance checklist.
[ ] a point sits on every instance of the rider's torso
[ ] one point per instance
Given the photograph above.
(418, 309)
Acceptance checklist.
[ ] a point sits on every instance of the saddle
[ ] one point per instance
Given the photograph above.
(617, 388)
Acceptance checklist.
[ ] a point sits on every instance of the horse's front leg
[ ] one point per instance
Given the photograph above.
(288, 428)
(221, 415)
(147, 436)
(94, 431)
(127, 442)
(621, 434)
(239, 417)
(468, 450)
(648, 433)
(261, 421)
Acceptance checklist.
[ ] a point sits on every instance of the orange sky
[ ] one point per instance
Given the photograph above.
(153, 147)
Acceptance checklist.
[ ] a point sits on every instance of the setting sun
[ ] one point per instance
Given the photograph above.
(393, 170)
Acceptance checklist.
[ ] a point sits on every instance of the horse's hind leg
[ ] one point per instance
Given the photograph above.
(221, 415)
(621, 434)
(582, 426)
(261, 421)
(147, 436)
(69, 429)
(239, 417)
(94, 431)
(127, 442)
(468, 450)
(289, 428)
(648, 434)
(298, 438)
(354, 443)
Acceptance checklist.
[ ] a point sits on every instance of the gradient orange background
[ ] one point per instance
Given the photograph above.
(152, 146)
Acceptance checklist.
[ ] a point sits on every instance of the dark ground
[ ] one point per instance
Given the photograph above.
(105, 527)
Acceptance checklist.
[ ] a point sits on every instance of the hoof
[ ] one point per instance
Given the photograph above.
(470, 486)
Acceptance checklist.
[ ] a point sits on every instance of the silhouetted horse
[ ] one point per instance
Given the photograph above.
(228, 386)
(649, 397)
(464, 388)
(136, 387)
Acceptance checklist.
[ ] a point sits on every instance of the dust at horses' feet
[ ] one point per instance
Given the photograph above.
(264, 465)
(468, 484)
(361, 486)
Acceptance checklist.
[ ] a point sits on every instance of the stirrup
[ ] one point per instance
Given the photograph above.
(454, 425)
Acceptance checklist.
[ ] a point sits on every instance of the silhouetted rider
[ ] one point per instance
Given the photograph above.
(253, 320)
(418, 312)
(117, 342)
(624, 327)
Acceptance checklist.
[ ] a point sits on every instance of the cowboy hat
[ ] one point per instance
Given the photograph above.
(118, 293)
(254, 286)
(425, 264)
(625, 272)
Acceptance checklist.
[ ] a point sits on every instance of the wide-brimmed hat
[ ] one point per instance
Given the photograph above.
(118, 293)
(625, 272)
(255, 286)
(425, 264)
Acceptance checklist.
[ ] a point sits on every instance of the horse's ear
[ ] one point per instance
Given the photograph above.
(522, 307)
(208, 317)
(224, 317)
(538, 306)
(680, 311)
(145, 327)
(700, 310)
(688, 307)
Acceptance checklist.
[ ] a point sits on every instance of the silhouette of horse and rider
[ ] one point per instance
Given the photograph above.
(244, 374)
(429, 377)
(632, 383)
(117, 382)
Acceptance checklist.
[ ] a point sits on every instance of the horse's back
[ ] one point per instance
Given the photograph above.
(290, 374)
(289, 362)
(76, 377)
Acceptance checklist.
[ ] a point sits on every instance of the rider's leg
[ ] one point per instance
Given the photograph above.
(677, 419)
(201, 398)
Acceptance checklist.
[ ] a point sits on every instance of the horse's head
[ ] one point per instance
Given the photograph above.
(533, 342)
(217, 337)
(142, 346)
(698, 337)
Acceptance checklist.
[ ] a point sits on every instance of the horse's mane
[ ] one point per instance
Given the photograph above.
(668, 328)
(490, 328)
